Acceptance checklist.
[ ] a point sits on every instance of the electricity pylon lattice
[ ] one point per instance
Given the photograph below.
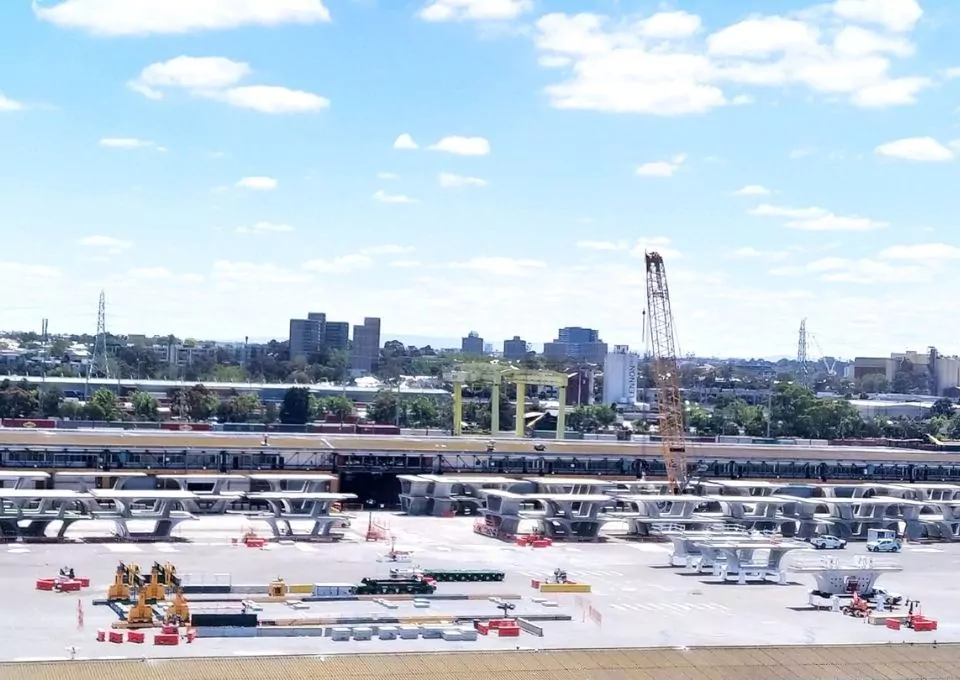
(99, 367)
(803, 362)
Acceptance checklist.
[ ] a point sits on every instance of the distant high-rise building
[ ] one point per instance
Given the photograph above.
(337, 335)
(621, 369)
(366, 346)
(576, 344)
(472, 344)
(304, 338)
(488, 348)
(515, 349)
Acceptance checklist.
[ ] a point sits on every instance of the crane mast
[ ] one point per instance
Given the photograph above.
(666, 373)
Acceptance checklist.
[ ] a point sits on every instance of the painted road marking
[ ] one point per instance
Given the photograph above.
(18, 551)
(123, 548)
(926, 550)
(305, 547)
(165, 548)
(651, 548)
(679, 608)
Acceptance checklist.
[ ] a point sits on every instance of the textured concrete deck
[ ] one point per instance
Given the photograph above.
(436, 445)
(640, 602)
(887, 662)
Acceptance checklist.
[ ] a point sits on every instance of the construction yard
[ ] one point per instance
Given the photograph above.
(636, 600)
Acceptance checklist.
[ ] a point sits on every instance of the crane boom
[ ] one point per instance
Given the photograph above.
(666, 373)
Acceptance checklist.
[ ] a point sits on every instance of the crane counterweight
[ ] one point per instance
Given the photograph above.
(663, 347)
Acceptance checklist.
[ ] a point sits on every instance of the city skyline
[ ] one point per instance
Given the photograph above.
(217, 171)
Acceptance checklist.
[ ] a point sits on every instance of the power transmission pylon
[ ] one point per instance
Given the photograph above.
(803, 364)
(98, 366)
(666, 374)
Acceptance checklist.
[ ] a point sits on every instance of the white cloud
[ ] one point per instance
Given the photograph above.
(218, 78)
(603, 245)
(128, 143)
(802, 152)
(752, 253)
(191, 278)
(265, 228)
(661, 168)
(616, 67)
(894, 15)
(271, 99)
(384, 197)
(475, 10)
(897, 92)
(18, 271)
(831, 222)
(387, 175)
(658, 244)
(406, 264)
(553, 61)
(111, 244)
(921, 251)
(145, 17)
(387, 249)
(817, 219)
(258, 183)
(7, 104)
(253, 274)
(752, 190)
(862, 271)
(502, 266)
(463, 146)
(925, 149)
(405, 143)
(952, 73)
(339, 265)
(150, 273)
(448, 181)
(669, 25)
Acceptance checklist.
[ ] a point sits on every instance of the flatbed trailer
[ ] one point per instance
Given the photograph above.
(395, 586)
(462, 575)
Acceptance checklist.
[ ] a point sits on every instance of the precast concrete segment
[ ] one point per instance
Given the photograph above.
(427, 446)
(813, 662)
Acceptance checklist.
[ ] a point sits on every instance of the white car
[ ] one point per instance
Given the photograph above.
(827, 542)
(885, 545)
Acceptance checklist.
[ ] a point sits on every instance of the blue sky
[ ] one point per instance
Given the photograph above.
(219, 166)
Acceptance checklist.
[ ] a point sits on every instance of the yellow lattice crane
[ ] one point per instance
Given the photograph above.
(663, 346)
(495, 375)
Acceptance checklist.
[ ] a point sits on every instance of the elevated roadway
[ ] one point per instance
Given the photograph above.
(215, 441)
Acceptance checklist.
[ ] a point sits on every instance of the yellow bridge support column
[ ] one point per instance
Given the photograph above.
(562, 412)
(457, 409)
(521, 408)
(495, 409)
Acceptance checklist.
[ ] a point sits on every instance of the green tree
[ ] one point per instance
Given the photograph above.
(103, 405)
(228, 373)
(201, 403)
(296, 408)
(145, 406)
(873, 383)
(339, 407)
(71, 410)
(423, 412)
(383, 408)
(240, 408)
(942, 407)
(50, 403)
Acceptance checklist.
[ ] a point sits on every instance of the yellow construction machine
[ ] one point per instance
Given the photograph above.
(126, 578)
(162, 577)
(140, 615)
(178, 612)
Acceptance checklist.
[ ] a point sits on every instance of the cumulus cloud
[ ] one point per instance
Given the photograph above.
(167, 17)
(405, 143)
(662, 168)
(384, 197)
(463, 146)
(661, 65)
(219, 78)
(923, 149)
(448, 180)
(474, 10)
(258, 183)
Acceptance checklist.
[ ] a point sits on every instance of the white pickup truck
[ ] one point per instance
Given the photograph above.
(893, 545)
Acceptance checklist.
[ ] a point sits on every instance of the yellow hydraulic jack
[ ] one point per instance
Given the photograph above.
(126, 578)
(178, 612)
(162, 578)
(277, 588)
(140, 614)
